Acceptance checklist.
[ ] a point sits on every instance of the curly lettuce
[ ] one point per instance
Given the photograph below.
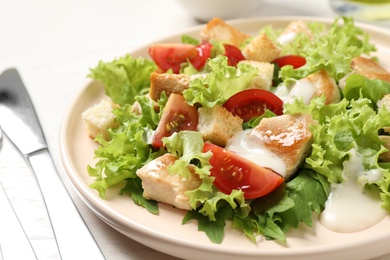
(342, 127)
(219, 83)
(124, 78)
(331, 49)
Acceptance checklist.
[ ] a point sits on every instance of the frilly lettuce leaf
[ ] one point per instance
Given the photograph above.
(220, 83)
(358, 86)
(342, 127)
(332, 50)
(124, 78)
(188, 146)
(128, 148)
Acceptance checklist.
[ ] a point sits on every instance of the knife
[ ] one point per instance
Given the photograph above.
(20, 123)
(13, 240)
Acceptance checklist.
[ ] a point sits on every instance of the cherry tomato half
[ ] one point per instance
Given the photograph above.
(171, 56)
(234, 172)
(253, 102)
(176, 116)
(233, 54)
(294, 60)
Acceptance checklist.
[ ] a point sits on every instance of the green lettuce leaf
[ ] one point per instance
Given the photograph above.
(124, 78)
(215, 230)
(291, 204)
(358, 86)
(187, 39)
(188, 146)
(342, 127)
(332, 51)
(220, 83)
(127, 150)
(134, 188)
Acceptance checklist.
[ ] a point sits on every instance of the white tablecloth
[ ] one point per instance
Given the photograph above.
(53, 43)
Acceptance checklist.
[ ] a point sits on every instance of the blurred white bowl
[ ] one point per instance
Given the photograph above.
(204, 10)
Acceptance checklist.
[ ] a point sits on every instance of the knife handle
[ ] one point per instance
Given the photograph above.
(73, 237)
(14, 243)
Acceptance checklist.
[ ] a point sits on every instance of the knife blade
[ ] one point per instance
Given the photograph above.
(13, 240)
(21, 124)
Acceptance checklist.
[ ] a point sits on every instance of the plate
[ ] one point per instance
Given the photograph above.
(165, 233)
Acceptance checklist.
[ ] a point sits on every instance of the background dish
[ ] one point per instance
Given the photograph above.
(165, 232)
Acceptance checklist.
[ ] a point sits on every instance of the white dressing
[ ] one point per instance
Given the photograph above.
(350, 207)
(282, 91)
(251, 147)
(302, 88)
(286, 38)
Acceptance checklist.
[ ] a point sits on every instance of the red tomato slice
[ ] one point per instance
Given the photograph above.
(204, 52)
(171, 56)
(294, 60)
(253, 102)
(234, 54)
(234, 172)
(176, 116)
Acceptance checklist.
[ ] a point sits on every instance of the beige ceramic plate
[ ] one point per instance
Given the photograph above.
(166, 233)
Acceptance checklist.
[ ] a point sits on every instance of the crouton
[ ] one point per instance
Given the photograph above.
(266, 73)
(99, 118)
(161, 186)
(218, 125)
(288, 137)
(170, 83)
(291, 31)
(325, 85)
(218, 30)
(385, 157)
(385, 101)
(261, 48)
(369, 69)
(314, 85)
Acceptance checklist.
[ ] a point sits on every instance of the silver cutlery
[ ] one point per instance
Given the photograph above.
(20, 123)
(14, 243)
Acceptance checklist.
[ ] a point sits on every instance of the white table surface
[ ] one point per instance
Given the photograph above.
(53, 43)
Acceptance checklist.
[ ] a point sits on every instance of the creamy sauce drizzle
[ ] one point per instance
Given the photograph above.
(248, 145)
(286, 38)
(302, 88)
(350, 207)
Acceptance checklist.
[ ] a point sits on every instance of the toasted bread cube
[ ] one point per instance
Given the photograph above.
(385, 101)
(170, 83)
(219, 30)
(385, 157)
(292, 30)
(266, 73)
(99, 118)
(369, 69)
(325, 85)
(218, 125)
(314, 85)
(261, 48)
(161, 186)
(288, 137)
